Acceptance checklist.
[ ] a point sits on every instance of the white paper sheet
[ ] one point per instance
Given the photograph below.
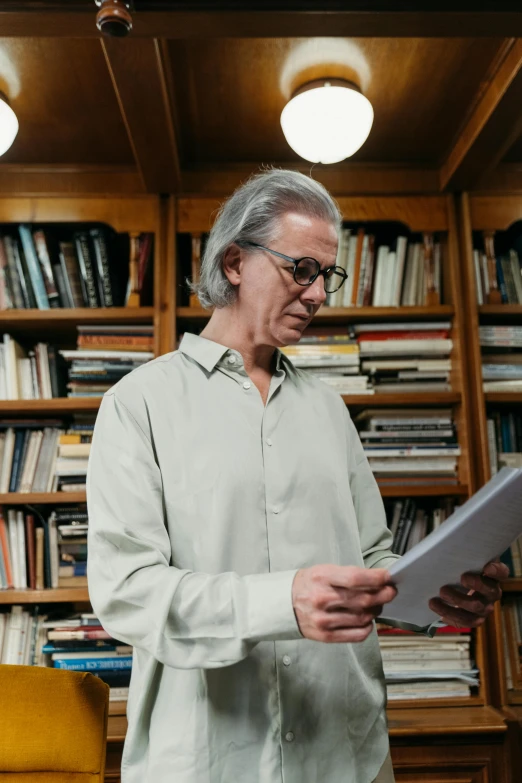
(477, 532)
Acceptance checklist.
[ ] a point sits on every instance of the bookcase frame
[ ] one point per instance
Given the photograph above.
(486, 212)
(443, 734)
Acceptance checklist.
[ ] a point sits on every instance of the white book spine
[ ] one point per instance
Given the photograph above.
(478, 282)
(402, 246)
(13, 547)
(21, 549)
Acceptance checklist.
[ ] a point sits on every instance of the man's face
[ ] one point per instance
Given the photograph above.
(279, 309)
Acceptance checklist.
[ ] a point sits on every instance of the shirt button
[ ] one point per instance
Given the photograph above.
(268, 442)
(289, 736)
(276, 510)
(231, 360)
(247, 385)
(287, 660)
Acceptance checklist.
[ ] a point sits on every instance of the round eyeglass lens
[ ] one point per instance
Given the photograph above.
(305, 271)
(333, 281)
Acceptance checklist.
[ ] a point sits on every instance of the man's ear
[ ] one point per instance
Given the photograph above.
(232, 263)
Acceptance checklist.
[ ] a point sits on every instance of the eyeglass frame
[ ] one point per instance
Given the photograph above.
(295, 262)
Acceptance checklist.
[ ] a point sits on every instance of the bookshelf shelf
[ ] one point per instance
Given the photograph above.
(20, 498)
(356, 314)
(512, 585)
(500, 310)
(65, 594)
(56, 406)
(511, 398)
(72, 316)
(412, 399)
(423, 490)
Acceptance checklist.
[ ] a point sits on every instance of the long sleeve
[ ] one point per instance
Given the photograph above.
(184, 619)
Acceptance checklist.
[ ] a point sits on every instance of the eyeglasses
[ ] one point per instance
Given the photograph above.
(306, 270)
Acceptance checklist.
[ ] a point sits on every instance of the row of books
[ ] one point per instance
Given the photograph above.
(504, 439)
(103, 355)
(417, 667)
(512, 642)
(410, 522)
(410, 446)
(501, 357)
(43, 455)
(67, 268)
(368, 358)
(382, 274)
(38, 552)
(75, 642)
(501, 273)
(512, 557)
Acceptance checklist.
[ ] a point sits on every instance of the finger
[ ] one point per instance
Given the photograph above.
(359, 601)
(489, 588)
(496, 570)
(352, 577)
(348, 635)
(474, 604)
(332, 621)
(460, 618)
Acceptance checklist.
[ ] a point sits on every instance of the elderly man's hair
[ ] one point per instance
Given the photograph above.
(252, 214)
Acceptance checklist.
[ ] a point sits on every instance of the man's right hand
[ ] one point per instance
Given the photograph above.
(339, 603)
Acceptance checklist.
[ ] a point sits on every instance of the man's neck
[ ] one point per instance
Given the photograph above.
(226, 328)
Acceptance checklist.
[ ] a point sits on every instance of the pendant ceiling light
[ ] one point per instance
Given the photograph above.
(8, 124)
(327, 120)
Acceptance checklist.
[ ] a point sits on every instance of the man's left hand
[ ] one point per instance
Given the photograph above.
(470, 610)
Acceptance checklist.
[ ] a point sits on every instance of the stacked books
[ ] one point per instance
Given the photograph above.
(42, 455)
(417, 667)
(63, 641)
(64, 267)
(331, 356)
(385, 273)
(38, 552)
(501, 357)
(501, 272)
(512, 643)
(404, 357)
(409, 522)
(104, 355)
(418, 446)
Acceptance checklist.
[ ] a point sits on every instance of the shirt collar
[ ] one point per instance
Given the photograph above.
(205, 352)
(208, 353)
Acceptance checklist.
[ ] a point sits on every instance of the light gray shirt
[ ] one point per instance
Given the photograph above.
(203, 504)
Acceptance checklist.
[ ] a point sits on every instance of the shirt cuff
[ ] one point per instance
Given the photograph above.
(271, 615)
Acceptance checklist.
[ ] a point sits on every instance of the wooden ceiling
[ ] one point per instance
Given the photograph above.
(187, 112)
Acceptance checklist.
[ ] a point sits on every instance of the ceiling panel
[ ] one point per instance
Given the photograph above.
(514, 155)
(62, 94)
(229, 94)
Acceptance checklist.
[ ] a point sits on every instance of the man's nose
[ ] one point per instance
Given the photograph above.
(315, 293)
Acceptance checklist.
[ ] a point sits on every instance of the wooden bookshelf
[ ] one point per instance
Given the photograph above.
(479, 212)
(53, 406)
(49, 498)
(348, 314)
(58, 595)
(11, 319)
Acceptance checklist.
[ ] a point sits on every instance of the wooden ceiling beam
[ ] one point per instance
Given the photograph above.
(342, 179)
(268, 18)
(140, 75)
(493, 125)
(36, 180)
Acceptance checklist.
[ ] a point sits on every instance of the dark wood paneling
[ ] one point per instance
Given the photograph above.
(230, 95)
(138, 71)
(493, 125)
(65, 103)
(243, 18)
(74, 179)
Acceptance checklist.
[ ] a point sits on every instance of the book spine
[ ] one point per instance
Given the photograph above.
(34, 268)
(87, 274)
(90, 664)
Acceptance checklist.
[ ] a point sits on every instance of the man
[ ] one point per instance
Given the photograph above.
(237, 535)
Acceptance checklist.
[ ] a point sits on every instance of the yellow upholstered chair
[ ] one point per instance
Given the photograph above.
(53, 726)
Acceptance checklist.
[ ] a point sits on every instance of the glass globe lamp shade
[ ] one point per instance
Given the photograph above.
(8, 125)
(327, 121)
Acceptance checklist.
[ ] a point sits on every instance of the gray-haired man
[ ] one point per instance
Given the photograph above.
(237, 535)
